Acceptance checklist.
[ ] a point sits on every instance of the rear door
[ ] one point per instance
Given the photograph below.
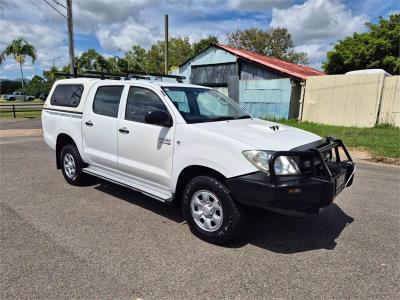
(100, 125)
(145, 150)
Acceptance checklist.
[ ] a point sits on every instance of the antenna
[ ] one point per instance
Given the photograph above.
(140, 65)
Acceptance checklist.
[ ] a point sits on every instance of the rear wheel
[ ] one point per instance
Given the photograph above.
(210, 211)
(72, 165)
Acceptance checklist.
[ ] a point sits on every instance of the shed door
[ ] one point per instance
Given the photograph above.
(265, 98)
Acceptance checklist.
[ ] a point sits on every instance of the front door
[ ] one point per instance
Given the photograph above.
(145, 150)
(100, 126)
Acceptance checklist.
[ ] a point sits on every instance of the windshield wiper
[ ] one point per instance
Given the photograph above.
(224, 118)
(243, 117)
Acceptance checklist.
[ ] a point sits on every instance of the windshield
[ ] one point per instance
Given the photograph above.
(198, 105)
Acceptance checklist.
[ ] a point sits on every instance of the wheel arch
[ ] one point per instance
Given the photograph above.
(63, 139)
(192, 171)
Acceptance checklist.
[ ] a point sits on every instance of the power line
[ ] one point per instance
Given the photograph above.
(55, 9)
(60, 4)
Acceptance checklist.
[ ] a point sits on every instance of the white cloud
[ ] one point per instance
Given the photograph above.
(11, 65)
(318, 21)
(91, 14)
(49, 44)
(256, 5)
(123, 36)
(316, 53)
(201, 29)
(392, 12)
(38, 35)
(316, 24)
(59, 55)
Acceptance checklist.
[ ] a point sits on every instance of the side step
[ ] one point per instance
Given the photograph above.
(157, 193)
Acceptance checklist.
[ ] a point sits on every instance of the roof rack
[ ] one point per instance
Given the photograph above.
(126, 75)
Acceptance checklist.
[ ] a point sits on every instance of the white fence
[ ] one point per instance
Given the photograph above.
(352, 100)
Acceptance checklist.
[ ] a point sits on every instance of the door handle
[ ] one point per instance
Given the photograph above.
(123, 130)
(89, 123)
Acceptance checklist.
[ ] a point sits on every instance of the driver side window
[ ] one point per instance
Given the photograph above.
(140, 101)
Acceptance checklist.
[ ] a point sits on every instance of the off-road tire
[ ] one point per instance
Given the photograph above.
(233, 213)
(79, 177)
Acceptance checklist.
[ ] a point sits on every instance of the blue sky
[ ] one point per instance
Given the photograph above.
(109, 25)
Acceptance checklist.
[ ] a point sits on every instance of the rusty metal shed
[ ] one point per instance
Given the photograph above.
(263, 85)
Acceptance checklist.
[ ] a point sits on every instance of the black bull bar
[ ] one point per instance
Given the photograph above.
(320, 165)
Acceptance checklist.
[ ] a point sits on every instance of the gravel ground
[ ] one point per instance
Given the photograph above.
(104, 241)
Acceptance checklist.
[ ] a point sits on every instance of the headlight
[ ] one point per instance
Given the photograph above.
(284, 165)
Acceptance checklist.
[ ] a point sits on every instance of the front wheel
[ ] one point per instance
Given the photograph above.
(72, 165)
(210, 211)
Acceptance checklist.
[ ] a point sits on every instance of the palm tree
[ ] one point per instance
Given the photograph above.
(20, 49)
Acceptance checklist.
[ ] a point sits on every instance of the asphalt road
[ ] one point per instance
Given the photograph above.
(104, 241)
(20, 123)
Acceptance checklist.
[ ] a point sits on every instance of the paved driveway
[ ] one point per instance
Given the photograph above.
(106, 241)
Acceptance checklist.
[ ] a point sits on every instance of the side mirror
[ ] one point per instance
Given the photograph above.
(158, 117)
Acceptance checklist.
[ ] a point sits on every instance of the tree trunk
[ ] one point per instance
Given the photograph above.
(22, 78)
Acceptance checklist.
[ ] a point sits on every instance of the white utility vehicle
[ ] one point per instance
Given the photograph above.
(174, 141)
(18, 96)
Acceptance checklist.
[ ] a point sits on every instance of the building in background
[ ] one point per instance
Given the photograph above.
(262, 85)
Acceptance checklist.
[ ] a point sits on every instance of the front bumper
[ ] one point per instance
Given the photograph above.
(319, 184)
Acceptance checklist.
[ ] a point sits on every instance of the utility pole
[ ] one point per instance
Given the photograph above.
(166, 45)
(70, 38)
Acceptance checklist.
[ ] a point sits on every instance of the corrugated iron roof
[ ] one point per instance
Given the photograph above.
(280, 65)
(298, 71)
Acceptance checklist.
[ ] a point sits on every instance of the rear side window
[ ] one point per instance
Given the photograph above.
(67, 95)
(106, 101)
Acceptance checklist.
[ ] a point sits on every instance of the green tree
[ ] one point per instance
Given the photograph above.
(36, 86)
(86, 61)
(136, 59)
(91, 60)
(20, 49)
(179, 50)
(50, 77)
(276, 42)
(377, 48)
(117, 64)
(9, 86)
(280, 45)
(204, 43)
(101, 64)
(155, 58)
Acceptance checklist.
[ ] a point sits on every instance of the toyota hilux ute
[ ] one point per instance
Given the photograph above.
(192, 144)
